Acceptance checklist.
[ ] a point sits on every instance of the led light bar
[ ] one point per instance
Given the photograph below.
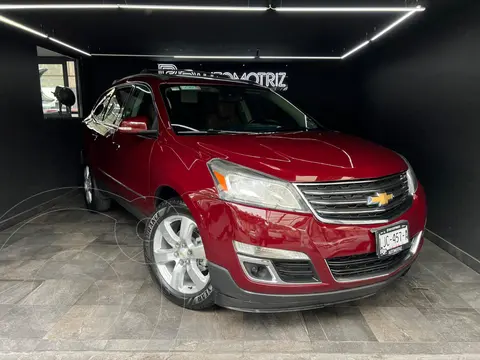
(362, 45)
(213, 57)
(193, 7)
(7, 21)
(349, 9)
(133, 55)
(204, 8)
(58, 6)
(388, 28)
(301, 57)
(69, 46)
(125, 6)
(17, 25)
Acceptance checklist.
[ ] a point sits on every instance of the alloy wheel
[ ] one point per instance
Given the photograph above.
(179, 255)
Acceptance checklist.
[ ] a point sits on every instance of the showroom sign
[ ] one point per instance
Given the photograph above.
(274, 80)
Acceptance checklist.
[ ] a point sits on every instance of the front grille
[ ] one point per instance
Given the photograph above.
(295, 271)
(358, 266)
(344, 201)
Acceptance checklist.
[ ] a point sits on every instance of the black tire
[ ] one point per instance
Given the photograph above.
(99, 201)
(198, 301)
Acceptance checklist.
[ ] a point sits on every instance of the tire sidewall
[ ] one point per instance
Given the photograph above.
(200, 300)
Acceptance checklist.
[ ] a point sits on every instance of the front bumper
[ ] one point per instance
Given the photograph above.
(220, 223)
(229, 295)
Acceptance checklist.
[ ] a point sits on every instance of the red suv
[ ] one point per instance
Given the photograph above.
(249, 202)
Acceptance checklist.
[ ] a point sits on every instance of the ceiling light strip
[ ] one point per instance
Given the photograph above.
(57, 6)
(387, 29)
(300, 57)
(132, 55)
(381, 33)
(131, 7)
(193, 8)
(69, 46)
(17, 25)
(213, 57)
(361, 46)
(10, 22)
(349, 9)
(204, 8)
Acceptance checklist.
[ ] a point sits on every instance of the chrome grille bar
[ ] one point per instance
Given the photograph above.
(339, 202)
(344, 192)
(347, 201)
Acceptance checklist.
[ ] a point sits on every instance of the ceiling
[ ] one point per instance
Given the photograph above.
(268, 33)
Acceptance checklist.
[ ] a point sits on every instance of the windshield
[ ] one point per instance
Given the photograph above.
(219, 108)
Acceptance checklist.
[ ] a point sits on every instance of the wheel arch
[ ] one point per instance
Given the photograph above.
(165, 192)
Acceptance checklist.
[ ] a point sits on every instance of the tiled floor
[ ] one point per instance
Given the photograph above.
(73, 286)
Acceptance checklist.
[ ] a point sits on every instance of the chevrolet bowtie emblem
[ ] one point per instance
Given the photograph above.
(381, 199)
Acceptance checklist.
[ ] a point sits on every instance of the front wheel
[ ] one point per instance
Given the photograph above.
(176, 258)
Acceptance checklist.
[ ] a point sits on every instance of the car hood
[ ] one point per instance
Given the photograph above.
(302, 156)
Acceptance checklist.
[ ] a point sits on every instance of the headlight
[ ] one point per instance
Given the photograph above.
(412, 179)
(242, 185)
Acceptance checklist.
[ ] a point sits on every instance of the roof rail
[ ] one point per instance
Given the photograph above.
(182, 72)
(193, 73)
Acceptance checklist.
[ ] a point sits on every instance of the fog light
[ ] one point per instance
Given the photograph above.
(258, 271)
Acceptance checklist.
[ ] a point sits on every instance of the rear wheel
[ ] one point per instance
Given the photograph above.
(176, 257)
(94, 199)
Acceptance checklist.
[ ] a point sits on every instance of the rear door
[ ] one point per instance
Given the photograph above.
(132, 169)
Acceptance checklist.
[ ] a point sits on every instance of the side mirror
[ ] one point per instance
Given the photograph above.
(134, 125)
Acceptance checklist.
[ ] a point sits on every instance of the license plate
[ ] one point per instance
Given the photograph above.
(391, 240)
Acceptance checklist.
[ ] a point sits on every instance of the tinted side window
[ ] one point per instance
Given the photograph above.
(140, 103)
(116, 105)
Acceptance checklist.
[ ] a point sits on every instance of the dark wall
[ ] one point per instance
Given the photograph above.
(420, 97)
(322, 89)
(36, 154)
(98, 74)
